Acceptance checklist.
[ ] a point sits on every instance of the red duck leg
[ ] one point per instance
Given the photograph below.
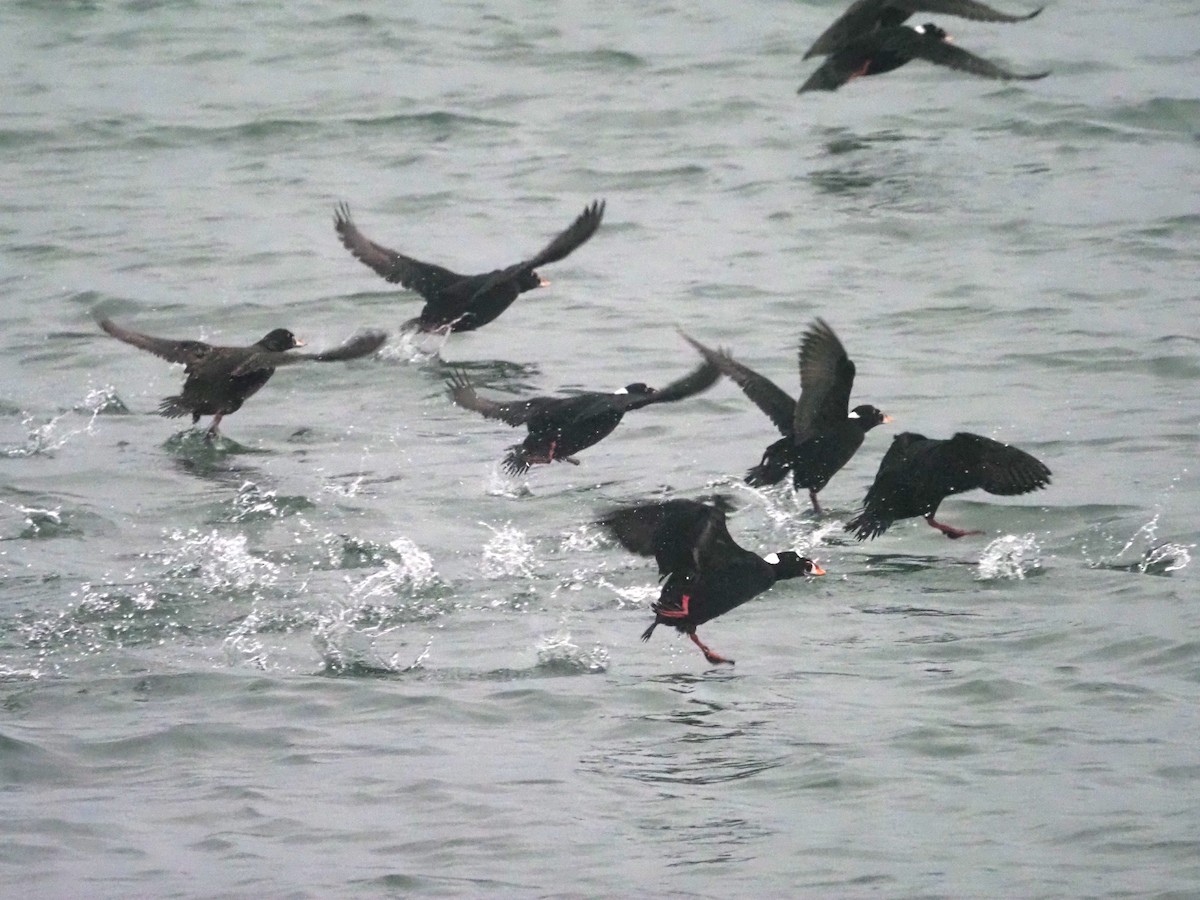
(708, 654)
(953, 533)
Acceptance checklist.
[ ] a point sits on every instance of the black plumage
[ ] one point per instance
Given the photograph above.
(918, 473)
(820, 431)
(705, 572)
(220, 379)
(890, 48)
(866, 16)
(560, 427)
(456, 302)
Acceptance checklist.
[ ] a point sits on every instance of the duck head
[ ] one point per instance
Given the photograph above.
(868, 416)
(279, 340)
(790, 564)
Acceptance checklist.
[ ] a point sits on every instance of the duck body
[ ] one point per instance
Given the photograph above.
(705, 573)
(455, 302)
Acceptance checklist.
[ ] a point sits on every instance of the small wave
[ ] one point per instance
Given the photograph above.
(1009, 557)
(438, 120)
(556, 654)
(252, 503)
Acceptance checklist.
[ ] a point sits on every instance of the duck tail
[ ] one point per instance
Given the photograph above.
(649, 631)
(174, 408)
(776, 463)
(516, 463)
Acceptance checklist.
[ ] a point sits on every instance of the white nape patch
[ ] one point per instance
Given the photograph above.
(621, 391)
(852, 415)
(920, 29)
(772, 558)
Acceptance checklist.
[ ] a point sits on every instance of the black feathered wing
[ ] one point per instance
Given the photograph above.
(515, 413)
(779, 407)
(189, 353)
(972, 461)
(427, 279)
(566, 243)
(679, 534)
(934, 50)
(826, 379)
(696, 381)
(362, 344)
(864, 16)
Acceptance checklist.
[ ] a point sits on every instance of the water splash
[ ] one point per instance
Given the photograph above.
(415, 347)
(582, 539)
(1158, 558)
(414, 571)
(252, 503)
(557, 654)
(1009, 557)
(501, 484)
(509, 553)
(347, 636)
(44, 439)
(1164, 558)
(39, 523)
(221, 562)
(102, 401)
(244, 644)
(639, 596)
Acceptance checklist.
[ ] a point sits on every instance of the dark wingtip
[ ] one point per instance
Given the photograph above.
(341, 215)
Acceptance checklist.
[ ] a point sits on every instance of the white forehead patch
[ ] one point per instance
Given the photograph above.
(772, 558)
(852, 415)
(920, 29)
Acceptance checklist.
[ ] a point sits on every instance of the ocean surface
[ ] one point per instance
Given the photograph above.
(339, 654)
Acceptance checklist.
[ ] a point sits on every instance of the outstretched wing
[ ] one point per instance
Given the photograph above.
(861, 18)
(864, 16)
(462, 392)
(764, 393)
(971, 461)
(425, 278)
(964, 9)
(826, 378)
(694, 382)
(677, 533)
(566, 243)
(186, 352)
(362, 344)
(931, 49)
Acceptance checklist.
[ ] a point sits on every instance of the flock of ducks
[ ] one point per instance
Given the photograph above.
(704, 572)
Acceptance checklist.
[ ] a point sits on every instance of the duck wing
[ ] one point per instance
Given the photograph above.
(864, 16)
(764, 393)
(826, 379)
(566, 243)
(361, 344)
(519, 412)
(908, 42)
(967, 461)
(425, 278)
(679, 534)
(189, 353)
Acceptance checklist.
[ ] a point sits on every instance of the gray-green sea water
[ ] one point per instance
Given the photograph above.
(340, 655)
